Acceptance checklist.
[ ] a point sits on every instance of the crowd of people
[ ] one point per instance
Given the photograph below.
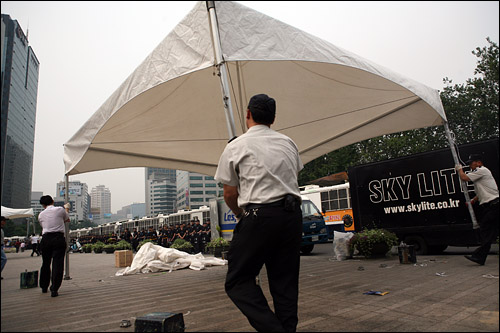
(195, 233)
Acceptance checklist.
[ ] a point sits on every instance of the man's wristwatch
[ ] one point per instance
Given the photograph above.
(239, 216)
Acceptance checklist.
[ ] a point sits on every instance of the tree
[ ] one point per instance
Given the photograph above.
(471, 109)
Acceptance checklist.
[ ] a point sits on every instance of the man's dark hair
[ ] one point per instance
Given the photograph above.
(46, 200)
(263, 109)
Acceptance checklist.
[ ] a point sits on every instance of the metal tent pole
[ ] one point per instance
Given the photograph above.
(66, 229)
(221, 66)
(463, 184)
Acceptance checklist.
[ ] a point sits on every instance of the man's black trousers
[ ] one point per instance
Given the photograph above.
(488, 229)
(53, 246)
(270, 236)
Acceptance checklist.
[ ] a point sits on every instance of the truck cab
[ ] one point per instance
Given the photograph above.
(313, 226)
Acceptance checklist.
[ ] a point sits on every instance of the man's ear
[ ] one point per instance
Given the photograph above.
(249, 114)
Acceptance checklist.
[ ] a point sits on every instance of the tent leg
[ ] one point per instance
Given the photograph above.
(463, 184)
(66, 229)
(221, 65)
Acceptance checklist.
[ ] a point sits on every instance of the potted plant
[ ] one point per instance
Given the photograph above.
(109, 248)
(182, 245)
(373, 242)
(217, 245)
(98, 246)
(87, 248)
(144, 242)
(123, 245)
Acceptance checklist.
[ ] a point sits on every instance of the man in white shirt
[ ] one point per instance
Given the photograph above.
(34, 245)
(53, 244)
(259, 171)
(486, 190)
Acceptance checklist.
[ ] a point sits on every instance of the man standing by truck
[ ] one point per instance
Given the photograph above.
(486, 191)
(259, 171)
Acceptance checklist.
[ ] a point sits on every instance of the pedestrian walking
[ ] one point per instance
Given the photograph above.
(486, 190)
(259, 171)
(53, 244)
(4, 257)
(34, 245)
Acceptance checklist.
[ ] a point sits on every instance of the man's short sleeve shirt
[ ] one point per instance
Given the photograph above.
(263, 163)
(484, 184)
(52, 219)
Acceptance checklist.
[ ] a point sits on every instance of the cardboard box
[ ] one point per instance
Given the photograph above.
(123, 258)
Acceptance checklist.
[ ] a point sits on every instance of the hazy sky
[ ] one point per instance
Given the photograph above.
(87, 49)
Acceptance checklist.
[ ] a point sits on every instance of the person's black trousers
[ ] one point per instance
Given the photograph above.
(34, 248)
(269, 236)
(488, 230)
(53, 246)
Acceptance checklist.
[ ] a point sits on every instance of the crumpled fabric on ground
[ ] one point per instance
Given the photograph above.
(155, 258)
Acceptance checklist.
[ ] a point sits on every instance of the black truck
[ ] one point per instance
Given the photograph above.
(419, 197)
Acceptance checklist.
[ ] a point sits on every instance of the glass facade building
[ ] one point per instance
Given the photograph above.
(195, 190)
(160, 191)
(19, 81)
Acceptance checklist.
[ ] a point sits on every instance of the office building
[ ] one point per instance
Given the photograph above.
(19, 81)
(160, 191)
(79, 199)
(195, 190)
(100, 204)
(35, 202)
(135, 210)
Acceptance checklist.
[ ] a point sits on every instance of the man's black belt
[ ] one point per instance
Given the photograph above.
(491, 203)
(279, 203)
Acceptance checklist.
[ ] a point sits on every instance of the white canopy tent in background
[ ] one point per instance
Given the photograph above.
(13, 213)
(169, 113)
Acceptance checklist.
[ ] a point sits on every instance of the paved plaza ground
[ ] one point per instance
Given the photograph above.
(440, 293)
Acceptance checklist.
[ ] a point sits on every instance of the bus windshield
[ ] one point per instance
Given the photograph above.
(310, 211)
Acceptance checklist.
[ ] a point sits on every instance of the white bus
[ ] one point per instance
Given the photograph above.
(335, 204)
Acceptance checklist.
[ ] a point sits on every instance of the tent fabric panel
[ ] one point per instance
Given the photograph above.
(186, 49)
(117, 160)
(175, 111)
(250, 35)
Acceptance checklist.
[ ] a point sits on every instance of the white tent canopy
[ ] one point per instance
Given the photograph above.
(13, 213)
(169, 111)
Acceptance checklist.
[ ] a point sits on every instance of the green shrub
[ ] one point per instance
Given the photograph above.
(123, 245)
(217, 242)
(144, 242)
(87, 248)
(365, 240)
(182, 245)
(98, 246)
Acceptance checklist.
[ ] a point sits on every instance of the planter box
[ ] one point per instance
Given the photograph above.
(123, 258)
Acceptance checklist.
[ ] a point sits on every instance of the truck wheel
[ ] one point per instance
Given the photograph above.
(419, 243)
(306, 249)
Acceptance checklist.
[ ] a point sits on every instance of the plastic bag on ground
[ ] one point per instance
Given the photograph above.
(341, 249)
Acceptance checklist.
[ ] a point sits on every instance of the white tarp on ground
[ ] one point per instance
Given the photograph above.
(13, 213)
(169, 113)
(154, 258)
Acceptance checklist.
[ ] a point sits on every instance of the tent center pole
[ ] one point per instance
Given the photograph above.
(463, 184)
(221, 65)
(66, 229)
